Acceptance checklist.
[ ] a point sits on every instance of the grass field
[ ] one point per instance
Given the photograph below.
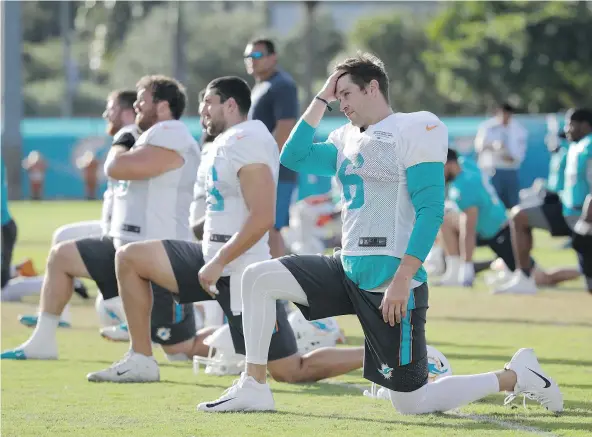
(476, 331)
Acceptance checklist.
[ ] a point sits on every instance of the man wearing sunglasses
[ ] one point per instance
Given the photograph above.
(275, 103)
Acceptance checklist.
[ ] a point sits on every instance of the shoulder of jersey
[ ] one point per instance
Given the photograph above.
(129, 129)
(415, 122)
(248, 131)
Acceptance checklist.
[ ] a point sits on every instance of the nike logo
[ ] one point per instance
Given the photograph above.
(547, 382)
(429, 128)
(122, 373)
(215, 404)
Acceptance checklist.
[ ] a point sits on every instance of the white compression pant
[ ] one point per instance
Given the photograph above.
(265, 282)
(18, 288)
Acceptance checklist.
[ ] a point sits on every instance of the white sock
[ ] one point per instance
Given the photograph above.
(262, 285)
(445, 394)
(452, 266)
(66, 314)
(42, 343)
(20, 287)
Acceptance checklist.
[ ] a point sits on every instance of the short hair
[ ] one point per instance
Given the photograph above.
(452, 156)
(233, 87)
(507, 107)
(269, 45)
(363, 68)
(201, 95)
(166, 89)
(582, 114)
(125, 98)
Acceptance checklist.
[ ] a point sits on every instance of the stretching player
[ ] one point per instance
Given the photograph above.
(391, 169)
(120, 116)
(241, 188)
(154, 188)
(480, 220)
(546, 214)
(577, 193)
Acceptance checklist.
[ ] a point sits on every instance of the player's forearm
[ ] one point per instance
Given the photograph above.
(314, 113)
(467, 243)
(426, 189)
(252, 231)
(113, 162)
(408, 267)
(302, 155)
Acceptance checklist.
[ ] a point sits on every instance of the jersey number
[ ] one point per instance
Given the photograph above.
(219, 204)
(352, 182)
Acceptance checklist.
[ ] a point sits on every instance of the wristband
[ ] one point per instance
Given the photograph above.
(325, 102)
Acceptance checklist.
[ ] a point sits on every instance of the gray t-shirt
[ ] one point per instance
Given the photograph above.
(275, 99)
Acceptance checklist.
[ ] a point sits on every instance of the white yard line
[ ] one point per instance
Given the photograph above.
(475, 417)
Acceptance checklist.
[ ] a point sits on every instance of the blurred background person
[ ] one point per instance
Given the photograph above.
(501, 146)
(274, 102)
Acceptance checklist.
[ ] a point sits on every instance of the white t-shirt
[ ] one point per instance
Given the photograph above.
(198, 206)
(377, 212)
(158, 208)
(246, 143)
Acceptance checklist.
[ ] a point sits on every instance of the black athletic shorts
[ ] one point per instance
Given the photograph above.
(171, 323)
(395, 357)
(501, 244)
(549, 216)
(9, 232)
(186, 260)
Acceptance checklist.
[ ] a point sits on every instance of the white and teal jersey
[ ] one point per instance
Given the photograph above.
(578, 176)
(392, 183)
(472, 189)
(243, 144)
(557, 162)
(126, 137)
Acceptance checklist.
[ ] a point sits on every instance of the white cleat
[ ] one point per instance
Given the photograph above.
(378, 392)
(132, 368)
(518, 284)
(115, 333)
(498, 279)
(533, 383)
(245, 394)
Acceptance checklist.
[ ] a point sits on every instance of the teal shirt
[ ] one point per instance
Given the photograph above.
(578, 176)
(5, 213)
(556, 179)
(425, 189)
(472, 189)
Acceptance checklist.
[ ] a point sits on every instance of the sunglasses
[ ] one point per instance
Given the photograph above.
(255, 55)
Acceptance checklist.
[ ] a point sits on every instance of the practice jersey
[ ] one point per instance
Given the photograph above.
(158, 208)
(126, 136)
(246, 143)
(198, 206)
(578, 176)
(557, 162)
(472, 189)
(377, 213)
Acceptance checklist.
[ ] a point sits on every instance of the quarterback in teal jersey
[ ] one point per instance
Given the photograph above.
(577, 192)
(481, 220)
(390, 168)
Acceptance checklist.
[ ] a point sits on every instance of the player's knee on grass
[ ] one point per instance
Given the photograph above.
(409, 403)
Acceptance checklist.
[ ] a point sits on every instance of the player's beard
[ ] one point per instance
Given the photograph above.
(216, 128)
(145, 120)
(113, 127)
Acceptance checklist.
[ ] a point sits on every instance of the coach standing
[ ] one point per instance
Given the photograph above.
(274, 101)
(501, 146)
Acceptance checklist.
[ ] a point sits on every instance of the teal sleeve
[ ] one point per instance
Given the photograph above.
(425, 183)
(467, 199)
(302, 155)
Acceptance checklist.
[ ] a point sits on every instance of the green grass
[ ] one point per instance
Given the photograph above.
(476, 331)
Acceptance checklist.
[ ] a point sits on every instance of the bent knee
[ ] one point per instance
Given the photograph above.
(127, 256)
(61, 254)
(409, 402)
